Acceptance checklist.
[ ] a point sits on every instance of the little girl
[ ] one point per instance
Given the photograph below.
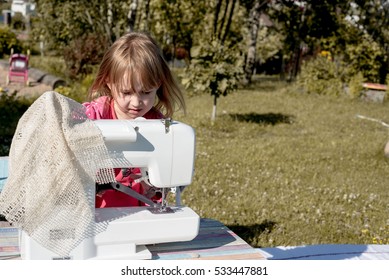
(133, 81)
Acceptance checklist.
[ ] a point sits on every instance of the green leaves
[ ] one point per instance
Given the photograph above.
(11, 109)
(320, 76)
(60, 22)
(365, 56)
(214, 69)
(8, 41)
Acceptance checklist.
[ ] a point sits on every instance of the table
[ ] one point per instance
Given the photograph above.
(215, 241)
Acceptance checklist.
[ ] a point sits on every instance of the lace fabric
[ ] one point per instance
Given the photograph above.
(53, 162)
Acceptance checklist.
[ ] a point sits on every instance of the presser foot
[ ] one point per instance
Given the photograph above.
(161, 210)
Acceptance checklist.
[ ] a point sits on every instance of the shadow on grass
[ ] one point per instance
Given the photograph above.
(269, 118)
(249, 232)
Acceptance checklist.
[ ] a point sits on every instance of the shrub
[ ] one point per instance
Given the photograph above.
(356, 85)
(366, 57)
(319, 75)
(64, 90)
(50, 64)
(78, 91)
(18, 21)
(11, 109)
(83, 53)
(8, 41)
(387, 85)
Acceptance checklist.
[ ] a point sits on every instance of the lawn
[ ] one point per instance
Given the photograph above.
(286, 168)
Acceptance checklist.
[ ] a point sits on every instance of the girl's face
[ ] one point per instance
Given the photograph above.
(132, 103)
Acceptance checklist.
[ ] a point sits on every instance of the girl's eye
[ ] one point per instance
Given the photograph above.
(129, 92)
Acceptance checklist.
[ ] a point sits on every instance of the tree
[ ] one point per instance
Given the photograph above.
(372, 17)
(131, 16)
(255, 9)
(305, 24)
(61, 23)
(214, 69)
(354, 34)
(216, 64)
(8, 41)
(175, 23)
(359, 41)
(221, 28)
(82, 54)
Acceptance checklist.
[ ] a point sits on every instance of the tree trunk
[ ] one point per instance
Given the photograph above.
(216, 17)
(109, 14)
(108, 23)
(131, 16)
(213, 116)
(147, 12)
(219, 35)
(229, 21)
(254, 16)
(251, 54)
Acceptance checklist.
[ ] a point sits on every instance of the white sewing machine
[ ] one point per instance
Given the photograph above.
(164, 150)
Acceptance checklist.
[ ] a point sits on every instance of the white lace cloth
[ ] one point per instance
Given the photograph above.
(54, 156)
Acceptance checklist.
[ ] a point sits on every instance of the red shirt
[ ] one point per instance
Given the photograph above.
(102, 108)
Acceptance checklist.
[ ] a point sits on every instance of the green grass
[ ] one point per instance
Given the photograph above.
(282, 168)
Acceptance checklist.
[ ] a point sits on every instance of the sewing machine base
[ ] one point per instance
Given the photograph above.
(129, 229)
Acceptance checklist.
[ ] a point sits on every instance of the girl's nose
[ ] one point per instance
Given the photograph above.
(136, 100)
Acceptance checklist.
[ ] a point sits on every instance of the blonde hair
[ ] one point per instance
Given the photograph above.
(138, 55)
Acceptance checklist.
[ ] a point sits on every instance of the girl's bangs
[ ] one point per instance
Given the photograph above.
(138, 78)
(147, 75)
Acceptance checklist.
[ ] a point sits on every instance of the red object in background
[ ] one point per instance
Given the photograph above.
(375, 86)
(18, 69)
